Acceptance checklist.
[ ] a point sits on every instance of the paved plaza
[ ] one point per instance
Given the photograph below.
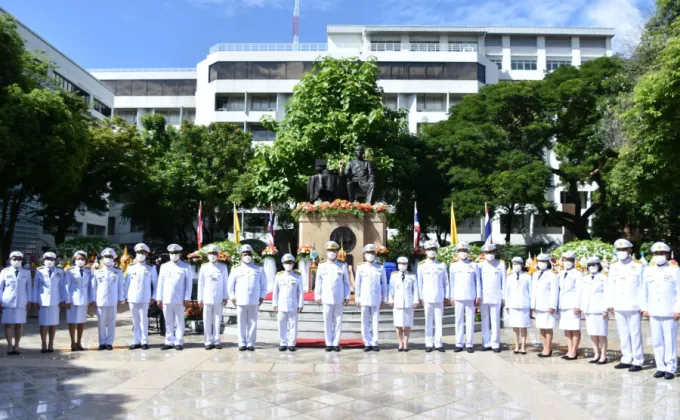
(313, 384)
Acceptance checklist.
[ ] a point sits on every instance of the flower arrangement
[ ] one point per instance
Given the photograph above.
(193, 312)
(224, 257)
(227, 250)
(194, 258)
(383, 252)
(270, 251)
(304, 251)
(339, 207)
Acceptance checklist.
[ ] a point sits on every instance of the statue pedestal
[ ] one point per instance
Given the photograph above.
(348, 231)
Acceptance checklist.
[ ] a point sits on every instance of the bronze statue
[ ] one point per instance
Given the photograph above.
(359, 175)
(325, 185)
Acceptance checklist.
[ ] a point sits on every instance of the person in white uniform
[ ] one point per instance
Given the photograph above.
(624, 296)
(571, 286)
(404, 298)
(141, 282)
(79, 289)
(466, 289)
(108, 286)
(247, 290)
(594, 306)
(433, 290)
(544, 299)
(175, 281)
(212, 296)
(370, 295)
(288, 299)
(49, 295)
(332, 290)
(517, 295)
(661, 303)
(493, 278)
(17, 295)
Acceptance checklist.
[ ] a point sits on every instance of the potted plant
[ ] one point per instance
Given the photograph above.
(193, 317)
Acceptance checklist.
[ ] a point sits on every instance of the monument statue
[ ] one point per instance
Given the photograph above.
(325, 185)
(359, 176)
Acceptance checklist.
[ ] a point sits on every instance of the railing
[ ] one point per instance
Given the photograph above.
(426, 47)
(268, 47)
(141, 70)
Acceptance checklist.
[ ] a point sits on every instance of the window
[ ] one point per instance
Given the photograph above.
(567, 198)
(255, 222)
(180, 87)
(518, 224)
(171, 115)
(75, 229)
(391, 45)
(430, 71)
(553, 65)
(189, 114)
(265, 70)
(481, 73)
(522, 41)
(96, 230)
(593, 42)
(112, 225)
(497, 60)
(543, 226)
(260, 133)
(129, 115)
(472, 225)
(99, 106)
(558, 42)
(69, 86)
(230, 102)
(523, 64)
(493, 41)
(430, 102)
(391, 101)
(262, 102)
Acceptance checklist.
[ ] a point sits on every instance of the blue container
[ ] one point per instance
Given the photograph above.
(389, 268)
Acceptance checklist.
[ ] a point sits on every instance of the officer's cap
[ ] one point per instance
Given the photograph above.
(462, 245)
(543, 257)
(141, 247)
(212, 249)
(660, 247)
(174, 248)
(517, 260)
(569, 254)
(50, 255)
(369, 248)
(431, 245)
(332, 246)
(488, 247)
(593, 260)
(109, 251)
(402, 260)
(287, 258)
(622, 243)
(79, 253)
(245, 248)
(16, 254)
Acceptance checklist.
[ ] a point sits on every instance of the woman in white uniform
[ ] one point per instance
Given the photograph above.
(594, 306)
(517, 295)
(15, 289)
(571, 284)
(79, 289)
(49, 294)
(404, 299)
(544, 298)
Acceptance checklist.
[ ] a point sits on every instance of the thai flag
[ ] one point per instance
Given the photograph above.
(199, 225)
(487, 226)
(416, 227)
(270, 227)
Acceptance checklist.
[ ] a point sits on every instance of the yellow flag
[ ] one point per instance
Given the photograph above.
(125, 260)
(237, 227)
(454, 229)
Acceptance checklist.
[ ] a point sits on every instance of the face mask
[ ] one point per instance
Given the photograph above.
(247, 259)
(212, 258)
(594, 269)
(402, 267)
(462, 255)
(141, 257)
(288, 267)
(431, 254)
(49, 264)
(516, 268)
(80, 263)
(369, 257)
(622, 255)
(16, 263)
(331, 255)
(107, 261)
(660, 259)
(568, 265)
(489, 257)
(174, 257)
(542, 265)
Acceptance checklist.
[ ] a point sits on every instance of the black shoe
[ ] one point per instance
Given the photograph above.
(282, 348)
(564, 357)
(441, 349)
(336, 348)
(486, 348)
(375, 348)
(45, 350)
(497, 350)
(166, 347)
(209, 347)
(368, 348)
(428, 349)
(545, 355)
(659, 374)
(179, 347)
(470, 350)
(669, 376)
(329, 348)
(145, 347)
(523, 352)
(400, 349)
(218, 346)
(623, 366)
(101, 347)
(242, 348)
(292, 348)
(405, 350)
(602, 362)
(250, 348)
(592, 362)
(457, 349)
(634, 368)
(135, 346)
(109, 347)
(515, 351)
(571, 358)
(50, 350)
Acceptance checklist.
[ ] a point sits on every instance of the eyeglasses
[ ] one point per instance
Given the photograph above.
(49, 259)
(174, 252)
(142, 252)
(16, 259)
(212, 253)
(108, 256)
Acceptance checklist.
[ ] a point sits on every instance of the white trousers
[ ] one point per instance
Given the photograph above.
(433, 314)
(288, 325)
(332, 322)
(174, 324)
(247, 324)
(628, 324)
(107, 324)
(491, 314)
(212, 322)
(665, 342)
(369, 324)
(140, 323)
(465, 315)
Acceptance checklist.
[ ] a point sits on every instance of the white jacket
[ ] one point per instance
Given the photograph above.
(108, 286)
(289, 294)
(141, 282)
(50, 291)
(403, 293)
(465, 280)
(571, 284)
(493, 278)
(174, 283)
(15, 291)
(433, 281)
(518, 291)
(545, 291)
(247, 284)
(624, 286)
(370, 285)
(332, 283)
(661, 290)
(593, 300)
(79, 287)
(212, 283)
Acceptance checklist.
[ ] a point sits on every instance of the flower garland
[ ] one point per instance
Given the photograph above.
(270, 251)
(339, 207)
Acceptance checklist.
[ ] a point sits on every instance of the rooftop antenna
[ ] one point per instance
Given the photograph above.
(296, 25)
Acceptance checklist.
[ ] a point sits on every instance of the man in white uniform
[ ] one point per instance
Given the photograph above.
(288, 299)
(370, 294)
(141, 282)
(212, 296)
(465, 289)
(332, 290)
(661, 302)
(624, 293)
(247, 290)
(433, 289)
(173, 295)
(108, 287)
(493, 276)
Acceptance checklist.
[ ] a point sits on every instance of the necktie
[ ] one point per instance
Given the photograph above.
(81, 272)
(51, 272)
(403, 276)
(16, 273)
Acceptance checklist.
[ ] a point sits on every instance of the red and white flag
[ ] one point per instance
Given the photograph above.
(416, 227)
(270, 227)
(199, 225)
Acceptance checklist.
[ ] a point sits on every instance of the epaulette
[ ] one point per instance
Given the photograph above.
(422, 262)
(206, 263)
(503, 261)
(42, 266)
(280, 272)
(296, 271)
(322, 261)
(6, 268)
(363, 262)
(454, 259)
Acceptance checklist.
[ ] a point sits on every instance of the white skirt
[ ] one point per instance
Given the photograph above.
(48, 316)
(569, 321)
(519, 318)
(544, 320)
(403, 317)
(14, 315)
(76, 314)
(596, 325)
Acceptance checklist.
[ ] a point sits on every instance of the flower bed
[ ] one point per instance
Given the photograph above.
(339, 207)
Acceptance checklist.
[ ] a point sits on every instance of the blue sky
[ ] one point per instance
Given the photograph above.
(178, 33)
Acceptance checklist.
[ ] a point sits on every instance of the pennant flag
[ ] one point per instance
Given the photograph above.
(270, 227)
(487, 226)
(454, 228)
(237, 227)
(199, 225)
(416, 227)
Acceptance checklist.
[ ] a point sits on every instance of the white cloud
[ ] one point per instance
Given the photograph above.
(232, 7)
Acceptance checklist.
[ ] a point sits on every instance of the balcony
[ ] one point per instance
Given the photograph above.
(143, 70)
(322, 47)
(425, 47)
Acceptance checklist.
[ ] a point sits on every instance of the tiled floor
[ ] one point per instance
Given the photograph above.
(313, 384)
